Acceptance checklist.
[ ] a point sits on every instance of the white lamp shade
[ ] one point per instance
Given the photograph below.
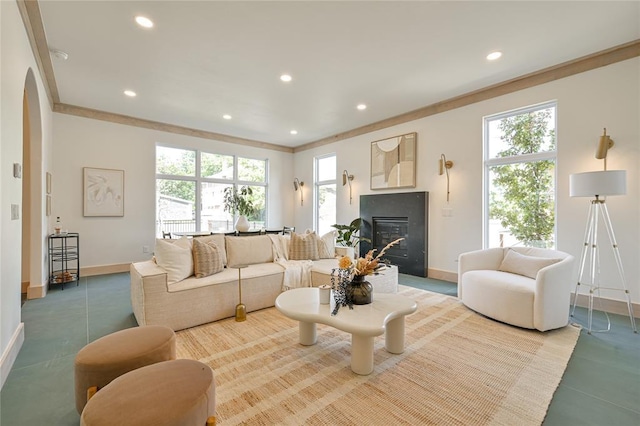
(590, 184)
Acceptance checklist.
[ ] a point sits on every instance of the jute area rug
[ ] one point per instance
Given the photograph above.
(458, 368)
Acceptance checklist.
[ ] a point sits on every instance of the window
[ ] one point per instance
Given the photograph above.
(186, 179)
(520, 159)
(325, 193)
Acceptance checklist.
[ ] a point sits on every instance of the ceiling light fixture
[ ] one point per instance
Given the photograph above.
(294, 132)
(361, 107)
(286, 78)
(494, 55)
(144, 22)
(59, 54)
(227, 117)
(130, 93)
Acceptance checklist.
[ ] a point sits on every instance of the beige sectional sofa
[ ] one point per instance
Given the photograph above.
(160, 297)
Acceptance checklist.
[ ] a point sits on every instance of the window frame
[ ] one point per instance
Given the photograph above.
(517, 159)
(317, 183)
(198, 180)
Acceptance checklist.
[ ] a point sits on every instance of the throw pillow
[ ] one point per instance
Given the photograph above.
(174, 256)
(218, 239)
(327, 245)
(521, 264)
(303, 247)
(207, 258)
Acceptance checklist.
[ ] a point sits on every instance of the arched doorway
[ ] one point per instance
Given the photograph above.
(33, 217)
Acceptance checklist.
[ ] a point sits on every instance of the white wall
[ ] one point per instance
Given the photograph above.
(606, 97)
(81, 142)
(17, 60)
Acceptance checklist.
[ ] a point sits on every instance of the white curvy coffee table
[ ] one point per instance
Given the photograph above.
(385, 315)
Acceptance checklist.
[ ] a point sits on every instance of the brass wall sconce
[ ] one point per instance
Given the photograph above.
(298, 185)
(347, 178)
(445, 165)
(604, 145)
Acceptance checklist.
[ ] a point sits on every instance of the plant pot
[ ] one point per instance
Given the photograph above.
(360, 290)
(242, 224)
(345, 251)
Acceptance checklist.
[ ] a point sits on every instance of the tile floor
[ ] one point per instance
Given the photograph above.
(601, 385)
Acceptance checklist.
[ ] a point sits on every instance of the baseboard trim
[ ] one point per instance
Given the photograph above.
(611, 306)
(24, 287)
(36, 291)
(11, 353)
(438, 274)
(90, 271)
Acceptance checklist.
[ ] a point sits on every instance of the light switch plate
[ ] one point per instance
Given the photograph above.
(17, 170)
(15, 211)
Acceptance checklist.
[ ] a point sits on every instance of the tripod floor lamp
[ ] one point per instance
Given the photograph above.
(598, 184)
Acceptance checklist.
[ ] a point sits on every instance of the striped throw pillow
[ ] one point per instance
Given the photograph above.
(303, 246)
(207, 258)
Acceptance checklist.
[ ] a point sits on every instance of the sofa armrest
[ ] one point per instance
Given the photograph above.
(145, 277)
(488, 259)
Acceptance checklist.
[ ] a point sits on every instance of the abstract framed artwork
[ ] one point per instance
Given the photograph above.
(393, 162)
(103, 192)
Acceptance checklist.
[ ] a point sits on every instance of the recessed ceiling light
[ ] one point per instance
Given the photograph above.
(130, 93)
(361, 107)
(494, 55)
(294, 132)
(285, 77)
(226, 117)
(144, 21)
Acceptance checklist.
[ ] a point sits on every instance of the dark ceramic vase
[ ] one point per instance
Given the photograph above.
(361, 290)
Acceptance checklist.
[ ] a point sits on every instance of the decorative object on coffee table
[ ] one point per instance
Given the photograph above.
(241, 309)
(348, 280)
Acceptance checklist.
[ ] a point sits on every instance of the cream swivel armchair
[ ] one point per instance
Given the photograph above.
(522, 286)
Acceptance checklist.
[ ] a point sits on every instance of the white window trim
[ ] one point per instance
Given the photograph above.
(318, 183)
(539, 156)
(198, 180)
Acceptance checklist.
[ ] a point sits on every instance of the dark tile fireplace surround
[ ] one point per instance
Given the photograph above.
(386, 217)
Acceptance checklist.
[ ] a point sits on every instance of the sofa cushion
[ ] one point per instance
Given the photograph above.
(218, 239)
(248, 250)
(174, 256)
(207, 258)
(303, 246)
(229, 275)
(521, 264)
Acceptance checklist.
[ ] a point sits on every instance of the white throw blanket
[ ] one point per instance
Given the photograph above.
(297, 273)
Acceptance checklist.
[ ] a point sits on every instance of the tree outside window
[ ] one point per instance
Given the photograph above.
(521, 150)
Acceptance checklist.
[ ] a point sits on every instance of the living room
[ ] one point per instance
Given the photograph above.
(604, 96)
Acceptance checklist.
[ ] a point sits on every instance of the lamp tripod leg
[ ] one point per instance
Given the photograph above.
(616, 254)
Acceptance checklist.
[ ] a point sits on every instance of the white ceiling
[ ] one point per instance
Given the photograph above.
(208, 58)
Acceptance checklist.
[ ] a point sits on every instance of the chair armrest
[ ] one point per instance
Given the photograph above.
(487, 259)
(553, 294)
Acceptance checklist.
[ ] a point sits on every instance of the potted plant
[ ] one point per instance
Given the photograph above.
(240, 201)
(348, 236)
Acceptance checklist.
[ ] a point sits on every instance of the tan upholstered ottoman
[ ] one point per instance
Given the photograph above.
(102, 360)
(170, 393)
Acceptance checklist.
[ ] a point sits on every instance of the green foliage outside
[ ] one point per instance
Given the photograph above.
(522, 194)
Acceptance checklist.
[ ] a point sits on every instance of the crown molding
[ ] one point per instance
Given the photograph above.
(576, 66)
(162, 127)
(32, 19)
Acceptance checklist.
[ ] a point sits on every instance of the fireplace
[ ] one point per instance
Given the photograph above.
(387, 217)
